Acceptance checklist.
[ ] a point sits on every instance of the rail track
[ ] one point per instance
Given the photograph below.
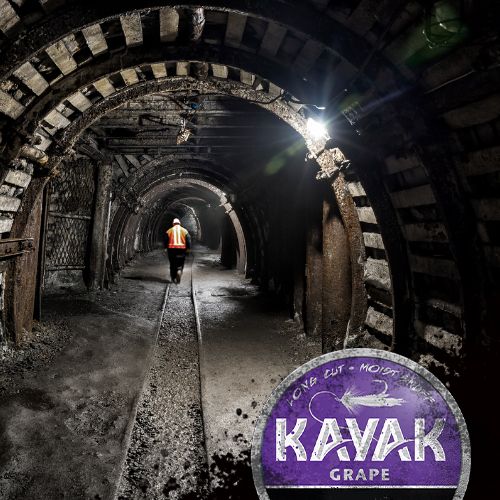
(167, 454)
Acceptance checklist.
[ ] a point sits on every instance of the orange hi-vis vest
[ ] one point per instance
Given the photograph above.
(177, 237)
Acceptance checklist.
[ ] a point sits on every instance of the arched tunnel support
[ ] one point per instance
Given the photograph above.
(355, 239)
(100, 227)
(122, 249)
(160, 185)
(241, 262)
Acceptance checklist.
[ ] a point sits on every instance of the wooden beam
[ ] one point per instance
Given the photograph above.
(31, 78)
(377, 273)
(95, 39)
(8, 17)
(56, 119)
(62, 57)
(272, 40)
(234, 29)
(413, 197)
(307, 56)
(159, 70)
(80, 101)
(18, 178)
(100, 227)
(9, 203)
(9, 106)
(182, 69)
(219, 71)
(373, 240)
(130, 76)
(104, 87)
(132, 29)
(246, 78)
(5, 224)
(169, 24)
(366, 214)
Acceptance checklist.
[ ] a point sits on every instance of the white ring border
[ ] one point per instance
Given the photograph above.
(256, 449)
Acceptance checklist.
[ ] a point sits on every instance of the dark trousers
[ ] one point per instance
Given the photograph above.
(176, 256)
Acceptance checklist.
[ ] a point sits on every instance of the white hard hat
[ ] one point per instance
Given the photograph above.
(176, 221)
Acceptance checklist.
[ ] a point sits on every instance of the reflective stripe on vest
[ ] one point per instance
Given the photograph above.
(176, 237)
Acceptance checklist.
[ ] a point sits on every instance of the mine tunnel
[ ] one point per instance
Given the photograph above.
(337, 166)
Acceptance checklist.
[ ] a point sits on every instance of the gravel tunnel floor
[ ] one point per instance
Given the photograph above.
(123, 405)
(166, 457)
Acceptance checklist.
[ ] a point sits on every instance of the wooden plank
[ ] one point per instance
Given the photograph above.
(31, 78)
(413, 197)
(272, 40)
(308, 56)
(373, 240)
(485, 161)
(132, 29)
(395, 164)
(219, 71)
(474, 113)
(169, 24)
(425, 231)
(356, 189)
(130, 76)
(379, 321)
(182, 69)
(42, 141)
(440, 338)
(122, 164)
(8, 17)
(274, 90)
(80, 101)
(159, 70)
(95, 39)
(442, 268)
(133, 160)
(9, 106)
(366, 214)
(377, 274)
(62, 57)
(235, 28)
(56, 119)
(5, 224)
(9, 203)
(487, 209)
(104, 87)
(18, 178)
(452, 66)
(7, 190)
(447, 307)
(246, 78)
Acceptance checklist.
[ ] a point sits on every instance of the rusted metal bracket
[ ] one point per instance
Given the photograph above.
(13, 247)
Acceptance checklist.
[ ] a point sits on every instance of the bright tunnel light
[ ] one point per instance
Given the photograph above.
(316, 129)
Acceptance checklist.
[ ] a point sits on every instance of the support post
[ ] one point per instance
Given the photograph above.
(21, 277)
(331, 162)
(337, 287)
(100, 227)
(41, 254)
(314, 273)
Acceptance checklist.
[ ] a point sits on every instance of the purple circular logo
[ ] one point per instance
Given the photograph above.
(361, 424)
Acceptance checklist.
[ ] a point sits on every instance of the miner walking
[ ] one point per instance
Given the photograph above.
(179, 242)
